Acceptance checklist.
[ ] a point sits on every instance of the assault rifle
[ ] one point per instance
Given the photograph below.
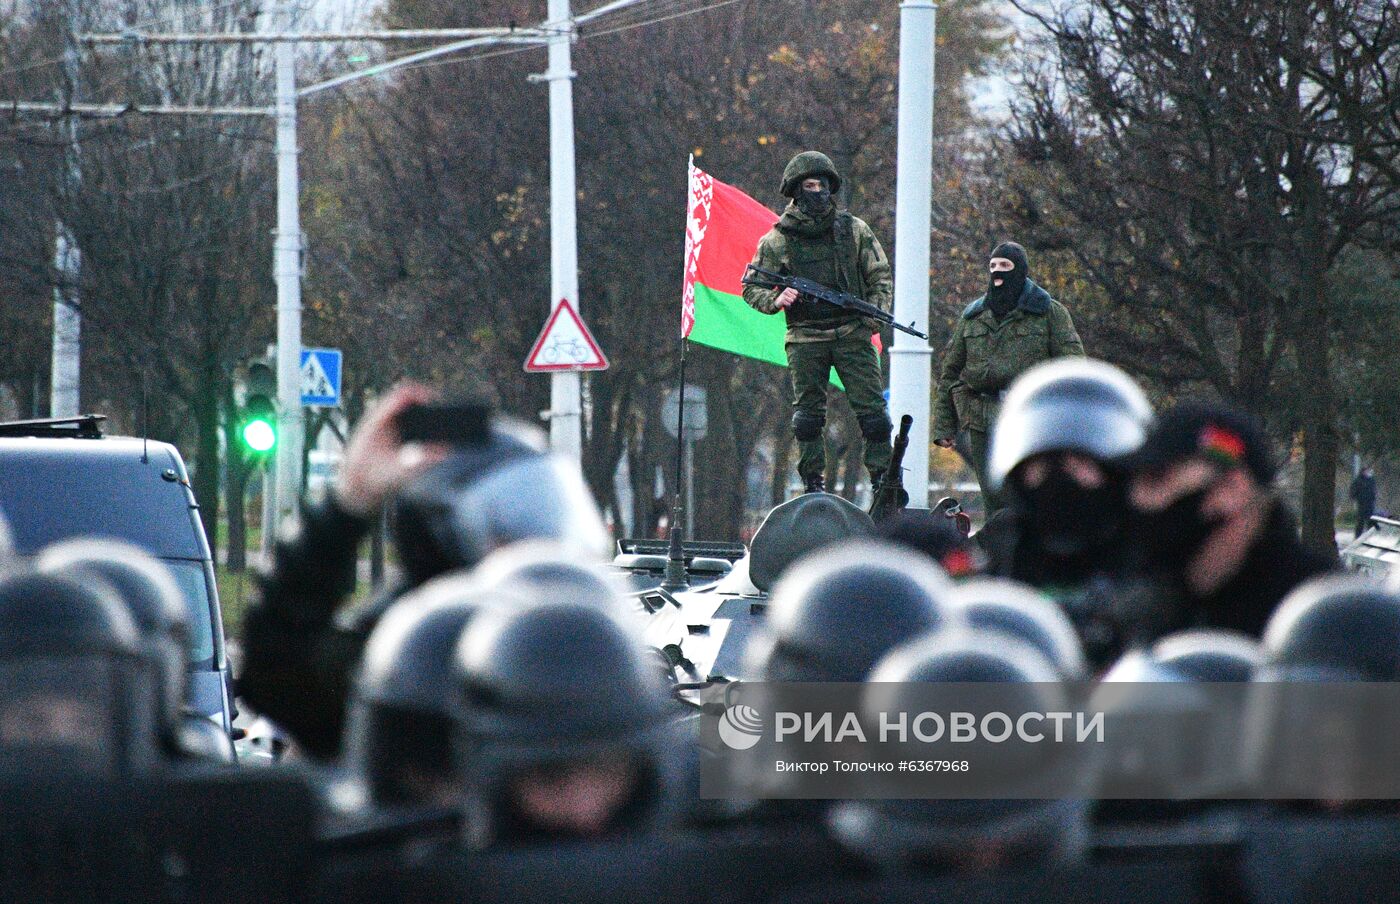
(767, 279)
(890, 496)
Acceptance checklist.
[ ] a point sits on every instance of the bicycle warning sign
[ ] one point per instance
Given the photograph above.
(565, 344)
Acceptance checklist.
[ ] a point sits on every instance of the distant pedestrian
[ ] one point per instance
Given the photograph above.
(1363, 490)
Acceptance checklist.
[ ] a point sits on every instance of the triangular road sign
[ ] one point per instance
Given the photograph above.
(565, 344)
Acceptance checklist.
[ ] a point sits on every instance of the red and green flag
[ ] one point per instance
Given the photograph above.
(722, 231)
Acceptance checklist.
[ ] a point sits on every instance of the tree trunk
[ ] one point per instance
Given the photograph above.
(235, 492)
(1312, 350)
(206, 473)
(1317, 507)
(721, 464)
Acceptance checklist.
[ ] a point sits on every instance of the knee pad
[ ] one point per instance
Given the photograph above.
(875, 426)
(807, 426)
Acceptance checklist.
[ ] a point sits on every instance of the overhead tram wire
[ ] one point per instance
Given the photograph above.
(668, 6)
(583, 35)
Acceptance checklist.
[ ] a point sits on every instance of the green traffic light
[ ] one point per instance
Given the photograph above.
(259, 435)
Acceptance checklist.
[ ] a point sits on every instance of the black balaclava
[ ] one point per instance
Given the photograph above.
(815, 204)
(1070, 528)
(1002, 299)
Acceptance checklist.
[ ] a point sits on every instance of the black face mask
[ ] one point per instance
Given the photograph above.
(1067, 521)
(815, 204)
(1002, 298)
(1171, 537)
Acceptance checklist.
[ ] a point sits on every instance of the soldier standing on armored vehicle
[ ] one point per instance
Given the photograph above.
(1000, 336)
(816, 241)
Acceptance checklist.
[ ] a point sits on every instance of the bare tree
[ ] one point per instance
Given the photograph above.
(1195, 170)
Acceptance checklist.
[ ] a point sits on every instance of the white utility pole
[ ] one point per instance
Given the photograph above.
(558, 34)
(565, 398)
(911, 358)
(287, 269)
(67, 257)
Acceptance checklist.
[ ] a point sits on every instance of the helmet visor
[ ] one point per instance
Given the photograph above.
(59, 715)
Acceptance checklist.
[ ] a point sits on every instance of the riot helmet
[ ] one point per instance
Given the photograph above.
(501, 489)
(836, 612)
(1175, 713)
(1311, 718)
(1006, 607)
(77, 692)
(152, 597)
(546, 570)
(1055, 453)
(403, 709)
(565, 728)
(932, 673)
(1068, 404)
(1209, 654)
(1335, 628)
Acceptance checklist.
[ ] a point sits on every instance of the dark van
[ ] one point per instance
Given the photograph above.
(63, 478)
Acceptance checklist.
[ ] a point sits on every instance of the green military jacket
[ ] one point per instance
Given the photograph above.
(985, 355)
(871, 273)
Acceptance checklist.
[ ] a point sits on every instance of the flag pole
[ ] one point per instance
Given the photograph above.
(676, 577)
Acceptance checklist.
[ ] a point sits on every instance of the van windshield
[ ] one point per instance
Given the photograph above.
(194, 587)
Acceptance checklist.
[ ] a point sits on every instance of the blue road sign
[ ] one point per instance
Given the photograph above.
(320, 377)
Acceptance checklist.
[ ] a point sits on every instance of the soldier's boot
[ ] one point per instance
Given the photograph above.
(814, 484)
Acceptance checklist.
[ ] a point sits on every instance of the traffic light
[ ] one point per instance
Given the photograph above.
(257, 423)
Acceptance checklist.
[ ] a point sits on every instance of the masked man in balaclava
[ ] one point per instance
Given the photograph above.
(1000, 336)
(817, 241)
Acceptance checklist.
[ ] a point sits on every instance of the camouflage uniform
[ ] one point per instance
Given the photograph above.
(985, 356)
(844, 255)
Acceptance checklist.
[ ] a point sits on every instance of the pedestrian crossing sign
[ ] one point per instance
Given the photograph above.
(320, 377)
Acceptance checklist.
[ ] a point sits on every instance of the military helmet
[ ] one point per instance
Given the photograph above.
(806, 165)
(931, 674)
(836, 612)
(1068, 405)
(502, 489)
(553, 683)
(403, 708)
(1004, 606)
(1209, 655)
(76, 686)
(151, 596)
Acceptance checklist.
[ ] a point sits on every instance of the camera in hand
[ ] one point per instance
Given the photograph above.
(455, 423)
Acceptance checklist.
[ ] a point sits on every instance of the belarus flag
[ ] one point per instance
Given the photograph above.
(721, 235)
